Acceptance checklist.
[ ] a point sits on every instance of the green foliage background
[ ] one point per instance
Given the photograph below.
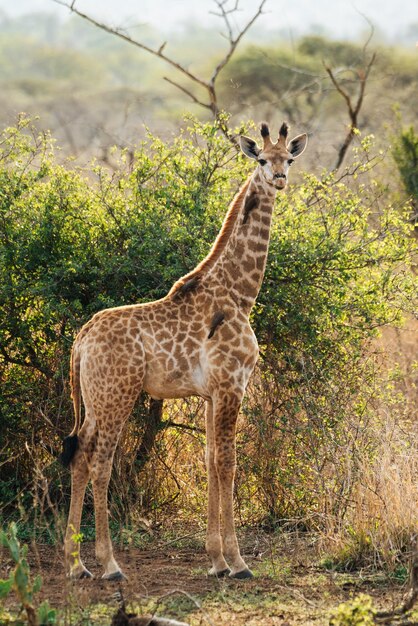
(74, 241)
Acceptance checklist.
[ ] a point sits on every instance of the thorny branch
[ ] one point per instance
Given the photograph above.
(209, 85)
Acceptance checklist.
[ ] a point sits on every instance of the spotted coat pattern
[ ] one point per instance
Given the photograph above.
(195, 341)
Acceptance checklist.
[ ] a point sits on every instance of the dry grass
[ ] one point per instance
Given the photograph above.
(386, 495)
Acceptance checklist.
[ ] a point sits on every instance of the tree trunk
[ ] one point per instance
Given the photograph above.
(153, 425)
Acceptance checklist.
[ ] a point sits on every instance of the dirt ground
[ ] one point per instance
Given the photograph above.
(290, 587)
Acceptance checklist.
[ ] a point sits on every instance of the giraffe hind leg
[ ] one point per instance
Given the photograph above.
(110, 385)
(111, 416)
(80, 474)
(101, 469)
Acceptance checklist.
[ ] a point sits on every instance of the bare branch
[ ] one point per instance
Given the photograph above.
(192, 429)
(207, 85)
(363, 79)
(339, 88)
(353, 109)
(188, 93)
(221, 4)
(234, 42)
(114, 31)
(224, 15)
(32, 361)
(371, 25)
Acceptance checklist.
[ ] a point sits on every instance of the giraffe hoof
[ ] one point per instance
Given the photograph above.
(114, 576)
(243, 574)
(80, 574)
(214, 574)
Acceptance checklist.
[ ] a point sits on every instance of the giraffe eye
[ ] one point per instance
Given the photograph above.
(262, 161)
(290, 161)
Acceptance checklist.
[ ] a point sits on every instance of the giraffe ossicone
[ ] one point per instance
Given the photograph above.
(197, 340)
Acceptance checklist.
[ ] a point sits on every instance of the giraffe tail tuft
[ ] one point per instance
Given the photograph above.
(69, 448)
(70, 443)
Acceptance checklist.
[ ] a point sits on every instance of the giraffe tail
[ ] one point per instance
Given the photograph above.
(70, 443)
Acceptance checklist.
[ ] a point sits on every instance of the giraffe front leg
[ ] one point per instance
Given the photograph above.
(79, 480)
(213, 536)
(225, 417)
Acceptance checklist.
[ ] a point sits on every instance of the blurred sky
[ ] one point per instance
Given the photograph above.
(339, 18)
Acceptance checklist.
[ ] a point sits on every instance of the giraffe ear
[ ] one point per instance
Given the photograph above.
(298, 145)
(249, 147)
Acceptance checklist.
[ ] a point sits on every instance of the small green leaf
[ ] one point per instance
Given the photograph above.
(13, 543)
(46, 615)
(5, 587)
(22, 581)
(37, 583)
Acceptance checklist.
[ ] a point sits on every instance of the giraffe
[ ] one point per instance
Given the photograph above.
(197, 340)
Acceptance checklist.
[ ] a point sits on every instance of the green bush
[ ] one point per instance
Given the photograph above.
(20, 582)
(75, 241)
(405, 153)
(357, 612)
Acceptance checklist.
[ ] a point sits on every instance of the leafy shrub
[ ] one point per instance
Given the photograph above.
(75, 241)
(405, 153)
(356, 612)
(22, 585)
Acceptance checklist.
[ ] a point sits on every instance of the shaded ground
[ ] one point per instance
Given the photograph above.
(171, 580)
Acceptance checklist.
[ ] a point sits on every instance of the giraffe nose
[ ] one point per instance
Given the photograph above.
(280, 176)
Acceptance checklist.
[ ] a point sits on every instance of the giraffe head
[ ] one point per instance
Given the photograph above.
(274, 159)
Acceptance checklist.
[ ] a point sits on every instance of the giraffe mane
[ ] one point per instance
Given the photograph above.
(219, 245)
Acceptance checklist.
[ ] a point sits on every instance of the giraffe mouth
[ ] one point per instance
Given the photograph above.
(280, 184)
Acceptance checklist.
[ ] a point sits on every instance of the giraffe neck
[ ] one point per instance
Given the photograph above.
(241, 264)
